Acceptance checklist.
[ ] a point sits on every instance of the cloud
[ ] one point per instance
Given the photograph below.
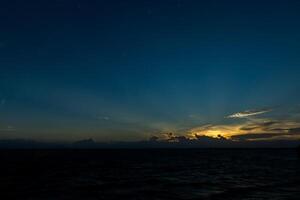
(255, 136)
(169, 137)
(8, 129)
(2, 101)
(195, 117)
(104, 118)
(295, 131)
(249, 130)
(215, 131)
(154, 138)
(267, 136)
(249, 113)
(245, 132)
(258, 125)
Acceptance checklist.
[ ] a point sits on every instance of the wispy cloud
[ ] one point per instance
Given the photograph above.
(249, 113)
(2, 101)
(105, 118)
(8, 129)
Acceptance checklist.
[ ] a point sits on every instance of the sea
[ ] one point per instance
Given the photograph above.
(149, 174)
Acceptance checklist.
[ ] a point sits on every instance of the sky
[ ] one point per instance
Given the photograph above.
(116, 70)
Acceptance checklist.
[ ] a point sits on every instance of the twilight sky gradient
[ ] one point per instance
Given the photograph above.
(129, 70)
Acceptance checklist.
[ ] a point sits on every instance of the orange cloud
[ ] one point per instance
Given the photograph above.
(250, 130)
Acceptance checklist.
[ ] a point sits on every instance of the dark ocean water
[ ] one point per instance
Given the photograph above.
(150, 174)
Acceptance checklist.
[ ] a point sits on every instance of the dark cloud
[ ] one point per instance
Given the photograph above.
(204, 137)
(255, 136)
(171, 137)
(202, 141)
(259, 125)
(181, 139)
(153, 138)
(249, 128)
(295, 131)
(281, 132)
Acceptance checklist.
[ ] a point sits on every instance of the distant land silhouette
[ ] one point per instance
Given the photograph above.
(180, 142)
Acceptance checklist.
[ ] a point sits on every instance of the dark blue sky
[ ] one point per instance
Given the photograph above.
(126, 70)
